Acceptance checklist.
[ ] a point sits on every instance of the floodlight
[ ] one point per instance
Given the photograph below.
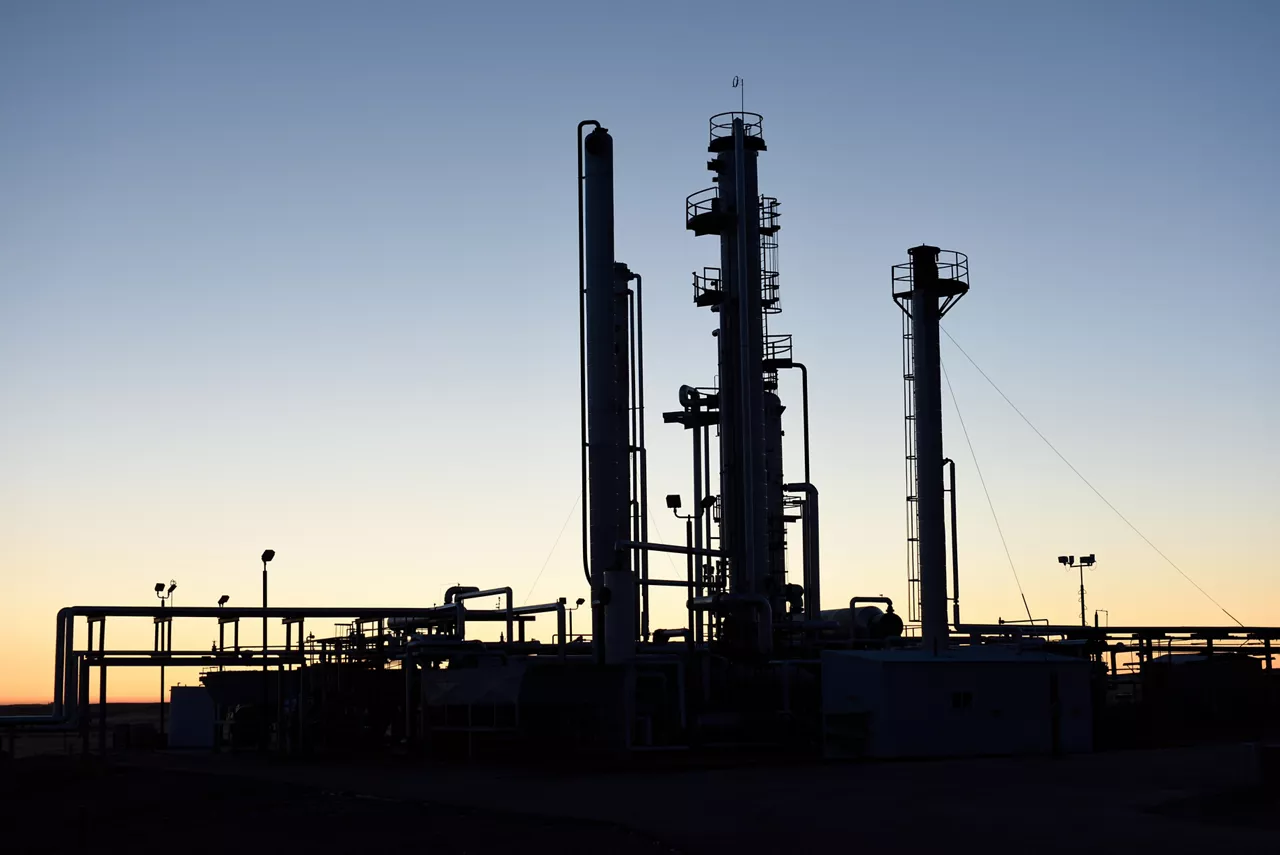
(1087, 560)
(580, 601)
(1064, 559)
(159, 587)
(222, 601)
(673, 502)
(267, 555)
(172, 586)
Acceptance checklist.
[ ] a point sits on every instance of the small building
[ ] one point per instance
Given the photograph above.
(967, 701)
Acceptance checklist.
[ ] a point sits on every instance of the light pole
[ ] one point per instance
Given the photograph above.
(1085, 561)
(578, 602)
(267, 555)
(165, 642)
(673, 502)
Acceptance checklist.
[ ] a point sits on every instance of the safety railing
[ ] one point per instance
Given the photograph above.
(707, 287)
(722, 125)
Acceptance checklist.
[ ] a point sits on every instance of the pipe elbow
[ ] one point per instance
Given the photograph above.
(454, 590)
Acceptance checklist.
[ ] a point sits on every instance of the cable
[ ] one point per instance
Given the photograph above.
(1087, 483)
(986, 492)
(553, 549)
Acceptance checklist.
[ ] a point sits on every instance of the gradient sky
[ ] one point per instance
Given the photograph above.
(302, 275)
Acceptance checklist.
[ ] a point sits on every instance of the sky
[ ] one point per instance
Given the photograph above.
(301, 275)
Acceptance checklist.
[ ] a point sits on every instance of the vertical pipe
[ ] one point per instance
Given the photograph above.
(804, 413)
(955, 550)
(644, 454)
(102, 708)
(59, 661)
(633, 448)
(582, 359)
(68, 669)
(266, 698)
(928, 424)
(84, 704)
(776, 578)
(560, 619)
(706, 563)
(696, 511)
(812, 549)
(689, 529)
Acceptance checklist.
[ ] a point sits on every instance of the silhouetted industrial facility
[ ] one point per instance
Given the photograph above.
(760, 661)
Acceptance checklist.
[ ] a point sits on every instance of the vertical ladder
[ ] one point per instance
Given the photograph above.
(909, 433)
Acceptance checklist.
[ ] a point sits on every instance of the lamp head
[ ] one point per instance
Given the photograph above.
(673, 501)
(580, 601)
(267, 555)
(159, 587)
(1087, 560)
(172, 587)
(1064, 559)
(222, 601)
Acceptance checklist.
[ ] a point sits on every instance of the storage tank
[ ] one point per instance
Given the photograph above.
(866, 622)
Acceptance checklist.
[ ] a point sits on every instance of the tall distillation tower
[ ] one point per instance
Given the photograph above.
(743, 292)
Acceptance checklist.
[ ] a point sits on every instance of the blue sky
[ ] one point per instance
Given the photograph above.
(302, 274)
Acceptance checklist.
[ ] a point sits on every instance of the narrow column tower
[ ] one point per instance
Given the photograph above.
(605, 330)
(731, 210)
(926, 288)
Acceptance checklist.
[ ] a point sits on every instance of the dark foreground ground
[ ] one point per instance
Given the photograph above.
(53, 804)
(1177, 800)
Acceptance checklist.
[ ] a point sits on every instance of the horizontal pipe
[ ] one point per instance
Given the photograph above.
(667, 547)
(95, 656)
(477, 594)
(357, 612)
(426, 617)
(1075, 629)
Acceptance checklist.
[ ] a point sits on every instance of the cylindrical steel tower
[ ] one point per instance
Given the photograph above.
(926, 288)
(608, 500)
(732, 212)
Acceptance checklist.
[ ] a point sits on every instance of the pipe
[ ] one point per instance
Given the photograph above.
(662, 636)
(955, 549)
(633, 481)
(559, 609)
(454, 590)
(644, 454)
(812, 567)
(759, 603)
(804, 409)
(582, 355)
(429, 616)
(488, 592)
(666, 547)
(888, 602)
